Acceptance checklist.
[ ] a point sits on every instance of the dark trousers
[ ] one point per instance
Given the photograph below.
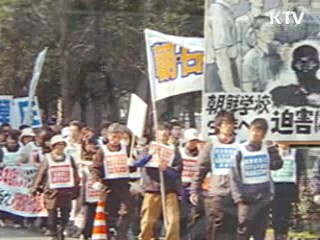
(89, 213)
(252, 220)
(222, 218)
(281, 212)
(193, 220)
(119, 211)
(53, 219)
(136, 218)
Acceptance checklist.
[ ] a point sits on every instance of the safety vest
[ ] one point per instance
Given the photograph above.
(60, 173)
(91, 195)
(36, 154)
(222, 156)
(115, 163)
(255, 166)
(288, 172)
(166, 154)
(189, 166)
(11, 158)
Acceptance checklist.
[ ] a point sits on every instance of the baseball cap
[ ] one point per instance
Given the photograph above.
(191, 134)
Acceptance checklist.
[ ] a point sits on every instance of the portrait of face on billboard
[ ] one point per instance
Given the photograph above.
(262, 49)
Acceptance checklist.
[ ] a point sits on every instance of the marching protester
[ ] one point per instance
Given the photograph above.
(111, 175)
(87, 133)
(74, 149)
(251, 184)
(6, 129)
(58, 179)
(27, 136)
(10, 153)
(190, 215)
(74, 140)
(286, 183)
(216, 157)
(9, 157)
(90, 196)
(32, 152)
(175, 133)
(165, 158)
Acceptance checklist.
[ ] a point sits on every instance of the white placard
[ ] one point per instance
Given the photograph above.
(137, 115)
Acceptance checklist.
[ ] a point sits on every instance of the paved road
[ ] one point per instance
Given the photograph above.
(22, 234)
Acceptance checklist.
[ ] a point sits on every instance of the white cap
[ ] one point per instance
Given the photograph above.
(27, 132)
(57, 139)
(191, 134)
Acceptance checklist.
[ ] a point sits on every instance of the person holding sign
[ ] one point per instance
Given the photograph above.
(190, 215)
(111, 174)
(286, 181)
(58, 178)
(27, 136)
(251, 184)
(216, 157)
(167, 159)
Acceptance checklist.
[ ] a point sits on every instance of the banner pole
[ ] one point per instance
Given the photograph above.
(155, 124)
(133, 139)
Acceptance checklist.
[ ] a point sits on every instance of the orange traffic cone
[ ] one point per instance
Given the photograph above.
(100, 229)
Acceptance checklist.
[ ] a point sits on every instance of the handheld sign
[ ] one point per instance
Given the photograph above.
(137, 115)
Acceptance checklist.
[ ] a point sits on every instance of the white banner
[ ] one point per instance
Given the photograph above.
(137, 115)
(285, 123)
(34, 83)
(175, 64)
(15, 183)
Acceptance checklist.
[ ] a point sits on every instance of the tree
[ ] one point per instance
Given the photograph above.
(96, 49)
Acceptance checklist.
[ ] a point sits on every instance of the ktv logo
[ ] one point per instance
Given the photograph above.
(286, 17)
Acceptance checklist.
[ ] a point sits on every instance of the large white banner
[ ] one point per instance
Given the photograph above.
(15, 183)
(175, 64)
(286, 123)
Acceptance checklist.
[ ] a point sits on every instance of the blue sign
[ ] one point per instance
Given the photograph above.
(5, 110)
(23, 104)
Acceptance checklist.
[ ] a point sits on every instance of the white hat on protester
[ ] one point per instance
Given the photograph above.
(191, 134)
(57, 139)
(27, 132)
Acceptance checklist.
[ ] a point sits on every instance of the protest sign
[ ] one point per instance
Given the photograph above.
(166, 153)
(20, 106)
(175, 64)
(5, 109)
(258, 69)
(137, 115)
(15, 183)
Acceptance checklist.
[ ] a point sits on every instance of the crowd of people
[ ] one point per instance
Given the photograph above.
(218, 188)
